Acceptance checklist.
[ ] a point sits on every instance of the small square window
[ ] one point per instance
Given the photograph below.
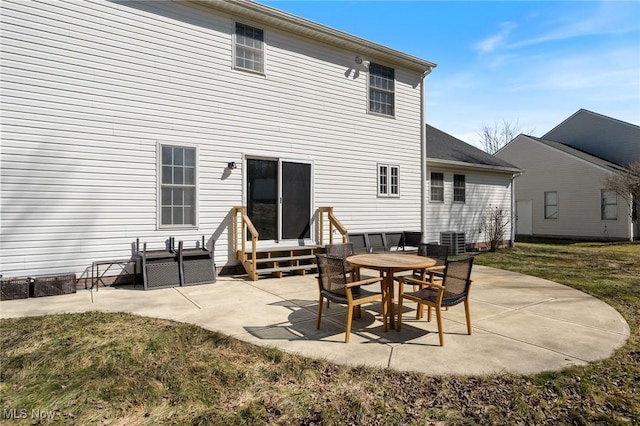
(388, 180)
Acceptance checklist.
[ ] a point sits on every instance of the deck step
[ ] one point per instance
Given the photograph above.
(262, 271)
(278, 261)
(283, 258)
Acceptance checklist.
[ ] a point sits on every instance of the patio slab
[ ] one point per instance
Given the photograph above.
(521, 324)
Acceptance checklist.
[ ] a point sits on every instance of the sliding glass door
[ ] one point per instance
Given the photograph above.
(279, 198)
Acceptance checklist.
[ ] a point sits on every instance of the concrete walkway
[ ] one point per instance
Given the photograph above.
(521, 324)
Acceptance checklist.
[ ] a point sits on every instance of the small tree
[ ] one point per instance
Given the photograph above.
(493, 225)
(495, 137)
(626, 183)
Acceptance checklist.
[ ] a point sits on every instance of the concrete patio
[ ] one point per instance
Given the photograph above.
(521, 324)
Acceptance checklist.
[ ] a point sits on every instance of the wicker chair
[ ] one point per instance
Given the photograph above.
(434, 251)
(334, 286)
(343, 250)
(453, 290)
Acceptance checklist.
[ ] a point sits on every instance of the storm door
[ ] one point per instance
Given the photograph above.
(279, 198)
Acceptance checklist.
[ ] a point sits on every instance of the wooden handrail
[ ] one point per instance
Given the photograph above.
(333, 223)
(246, 226)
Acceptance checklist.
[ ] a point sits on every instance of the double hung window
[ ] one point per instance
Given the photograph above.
(437, 186)
(551, 205)
(249, 48)
(459, 191)
(381, 89)
(177, 186)
(609, 205)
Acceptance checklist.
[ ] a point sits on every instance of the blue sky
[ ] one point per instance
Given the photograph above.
(533, 63)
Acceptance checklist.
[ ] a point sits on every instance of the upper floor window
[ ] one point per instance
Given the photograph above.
(178, 186)
(388, 180)
(381, 89)
(609, 205)
(551, 205)
(249, 48)
(459, 191)
(437, 186)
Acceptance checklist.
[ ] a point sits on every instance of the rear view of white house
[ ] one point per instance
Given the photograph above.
(148, 120)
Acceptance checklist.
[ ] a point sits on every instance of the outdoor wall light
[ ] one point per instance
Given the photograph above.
(362, 62)
(232, 165)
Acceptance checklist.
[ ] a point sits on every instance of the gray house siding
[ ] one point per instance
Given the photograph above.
(578, 181)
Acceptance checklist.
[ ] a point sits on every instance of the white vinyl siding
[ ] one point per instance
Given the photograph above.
(90, 88)
(484, 190)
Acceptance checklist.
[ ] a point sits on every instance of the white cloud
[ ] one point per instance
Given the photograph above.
(608, 18)
(496, 41)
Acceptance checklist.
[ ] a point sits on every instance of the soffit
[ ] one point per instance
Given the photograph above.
(293, 24)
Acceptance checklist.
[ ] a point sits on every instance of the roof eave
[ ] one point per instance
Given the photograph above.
(483, 167)
(285, 21)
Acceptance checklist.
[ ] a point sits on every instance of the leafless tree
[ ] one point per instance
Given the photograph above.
(493, 225)
(495, 137)
(626, 183)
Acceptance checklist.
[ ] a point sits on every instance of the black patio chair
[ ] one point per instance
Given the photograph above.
(453, 290)
(335, 287)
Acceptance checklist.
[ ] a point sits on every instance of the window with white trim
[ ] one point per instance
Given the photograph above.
(608, 205)
(177, 186)
(249, 48)
(459, 190)
(551, 205)
(381, 89)
(437, 186)
(388, 180)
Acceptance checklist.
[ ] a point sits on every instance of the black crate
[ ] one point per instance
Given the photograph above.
(53, 285)
(14, 288)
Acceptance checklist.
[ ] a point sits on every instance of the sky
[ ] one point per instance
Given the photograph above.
(530, 63)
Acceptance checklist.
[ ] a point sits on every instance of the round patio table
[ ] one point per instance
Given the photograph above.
(389, 263)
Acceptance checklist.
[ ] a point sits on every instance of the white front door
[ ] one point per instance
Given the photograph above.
(523, 217)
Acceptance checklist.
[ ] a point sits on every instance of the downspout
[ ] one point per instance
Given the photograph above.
(423, 159)
(514, 214)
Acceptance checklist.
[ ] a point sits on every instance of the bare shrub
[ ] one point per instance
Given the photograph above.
(493, 225)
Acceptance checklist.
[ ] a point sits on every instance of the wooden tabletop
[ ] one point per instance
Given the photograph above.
(391, 261)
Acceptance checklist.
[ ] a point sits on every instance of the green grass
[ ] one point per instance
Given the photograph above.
(99, 368)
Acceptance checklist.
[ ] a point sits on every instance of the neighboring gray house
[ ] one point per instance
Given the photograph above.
(151, 119)
(561, 192)
(464, 182)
